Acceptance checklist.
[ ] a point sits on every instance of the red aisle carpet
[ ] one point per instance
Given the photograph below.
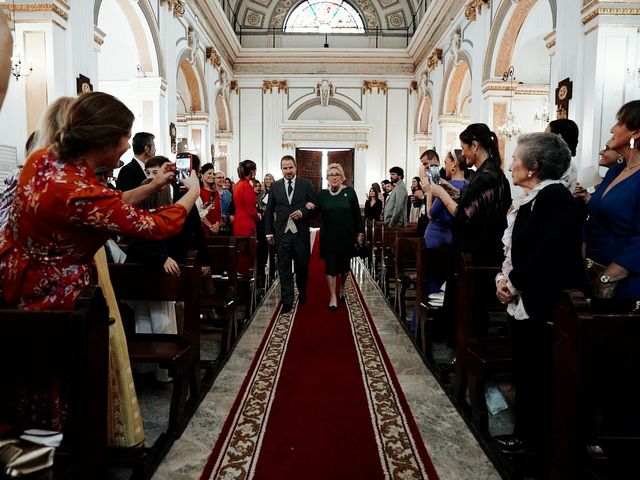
(320, 401)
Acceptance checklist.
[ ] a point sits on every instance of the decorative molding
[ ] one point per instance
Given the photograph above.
(369, 85)
(269, 85)
(413, 86)
(516, 90)
(434, 59)
(610, 12)
(474, 8)
(192, 117)
(175, 6)
(233, 86)
(355, 132)
(362, 146)
(324, 90)
(288, 146)
(213, 57)
(38, 7)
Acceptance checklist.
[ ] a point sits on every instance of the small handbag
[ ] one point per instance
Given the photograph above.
(594, 272)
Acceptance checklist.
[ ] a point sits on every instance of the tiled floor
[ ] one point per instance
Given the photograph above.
(453, 449)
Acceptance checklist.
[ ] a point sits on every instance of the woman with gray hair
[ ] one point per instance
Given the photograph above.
(542, 258)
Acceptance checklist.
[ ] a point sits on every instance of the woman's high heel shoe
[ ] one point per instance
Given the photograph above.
(341, 296)
(333, 308)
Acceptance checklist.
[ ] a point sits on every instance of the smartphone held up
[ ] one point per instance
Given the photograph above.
(184, 165)
(434, 174)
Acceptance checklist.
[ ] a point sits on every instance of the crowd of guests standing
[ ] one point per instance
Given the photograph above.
(553, 235)
(62, 208)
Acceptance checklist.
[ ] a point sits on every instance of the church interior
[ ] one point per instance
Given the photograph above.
(379, 388)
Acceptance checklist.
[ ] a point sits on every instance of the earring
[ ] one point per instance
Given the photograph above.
(453, 170)
(529, 175)
(632, 143)
(620, 159)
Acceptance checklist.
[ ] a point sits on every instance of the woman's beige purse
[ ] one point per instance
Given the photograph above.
(19, 457)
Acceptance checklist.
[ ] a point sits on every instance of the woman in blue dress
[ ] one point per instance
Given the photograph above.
(613, 227)
(438, 232)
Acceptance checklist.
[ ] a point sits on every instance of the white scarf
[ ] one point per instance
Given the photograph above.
(516, 307)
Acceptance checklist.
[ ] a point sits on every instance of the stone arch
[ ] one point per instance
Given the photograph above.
(223, 116)
(152, 58)
(499, 56)
(194, 76)
(423, 119)
(336, 102)
(454, 77)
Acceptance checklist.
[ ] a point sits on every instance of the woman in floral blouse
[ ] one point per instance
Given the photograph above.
(62, 215)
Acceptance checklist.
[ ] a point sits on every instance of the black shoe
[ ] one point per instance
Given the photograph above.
(341, 296)
(333, 308)
(510, 443)
(286, 308)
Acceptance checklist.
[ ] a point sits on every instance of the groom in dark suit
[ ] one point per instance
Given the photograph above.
(286, 218)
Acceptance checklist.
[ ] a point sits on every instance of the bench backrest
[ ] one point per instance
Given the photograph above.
(67, 349)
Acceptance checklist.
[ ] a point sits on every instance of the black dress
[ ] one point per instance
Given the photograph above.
(340, 223)
(373, 212)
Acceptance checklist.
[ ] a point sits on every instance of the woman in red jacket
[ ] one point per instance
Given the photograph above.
(245, 200)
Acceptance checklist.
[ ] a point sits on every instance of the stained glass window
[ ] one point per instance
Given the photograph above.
(324, 16)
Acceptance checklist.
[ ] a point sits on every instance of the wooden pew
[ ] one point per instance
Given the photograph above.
(180, 353)
(387, 255)
(376, 248)
(246, 248)
(405, 273)
(595, 419)
(71, 347)
(224, 289)
(431, 263)
(477, 355)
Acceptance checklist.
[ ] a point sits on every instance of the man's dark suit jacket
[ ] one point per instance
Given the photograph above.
(278, 208)
(130, 176)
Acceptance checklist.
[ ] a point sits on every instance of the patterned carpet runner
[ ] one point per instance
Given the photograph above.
(320, 401)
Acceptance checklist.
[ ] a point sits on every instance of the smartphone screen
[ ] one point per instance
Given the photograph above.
(183, 165)
(434, 172)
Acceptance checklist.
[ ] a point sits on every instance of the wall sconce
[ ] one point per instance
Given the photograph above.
(19, 69)
(542, 118)
(510, 128)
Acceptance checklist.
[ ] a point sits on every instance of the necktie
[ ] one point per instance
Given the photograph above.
(290, 188)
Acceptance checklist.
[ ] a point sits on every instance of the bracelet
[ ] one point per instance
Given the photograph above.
(455, 196)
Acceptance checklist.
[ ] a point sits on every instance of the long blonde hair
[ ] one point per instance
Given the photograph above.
(50, 123)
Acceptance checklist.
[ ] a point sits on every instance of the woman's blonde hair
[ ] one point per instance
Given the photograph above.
(337, 166)
(50, 123)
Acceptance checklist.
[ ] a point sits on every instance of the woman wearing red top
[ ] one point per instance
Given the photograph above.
(209, 202)
(245, 200)
(61, 214)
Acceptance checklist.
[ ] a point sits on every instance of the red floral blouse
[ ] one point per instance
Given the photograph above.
(60, 217)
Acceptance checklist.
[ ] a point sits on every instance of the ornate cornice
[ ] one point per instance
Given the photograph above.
(434, 59)
(268, 85)
(369, 85)
(474, 8)
(38, 7)
(362, 146)
(175, 6)
(622, 11)
(193, 117)
(233, 86)
(413, 86)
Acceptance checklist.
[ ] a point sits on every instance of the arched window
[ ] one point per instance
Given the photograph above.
(324, 16)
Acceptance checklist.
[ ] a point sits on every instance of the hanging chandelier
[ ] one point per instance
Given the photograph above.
(510, 128)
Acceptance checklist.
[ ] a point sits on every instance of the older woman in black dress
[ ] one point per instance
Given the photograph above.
(341, 224)
(542, 258)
